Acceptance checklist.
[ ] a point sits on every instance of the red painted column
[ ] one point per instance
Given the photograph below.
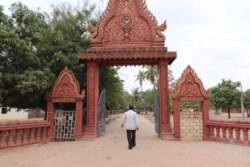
(177, 128)
(79, 109)
(50, 118)
(163, 94)
(205, 118)
(90, 131)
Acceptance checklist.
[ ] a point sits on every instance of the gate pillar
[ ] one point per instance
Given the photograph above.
(163, 91)
(177, 128)
(205, 117)
(79, 109)
(50, 118)
(90, 131)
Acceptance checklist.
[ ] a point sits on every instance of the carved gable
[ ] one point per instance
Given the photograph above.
(66, 86)
(189, 86)
(127, 23)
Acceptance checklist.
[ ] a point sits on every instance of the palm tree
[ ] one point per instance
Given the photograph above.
(151, 75)
(140, 77)
(135, 96)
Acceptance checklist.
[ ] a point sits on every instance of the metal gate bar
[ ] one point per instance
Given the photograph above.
(156, 112)
(64, 125)
(101, 113)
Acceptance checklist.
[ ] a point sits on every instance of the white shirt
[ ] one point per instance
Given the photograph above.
(130, 120)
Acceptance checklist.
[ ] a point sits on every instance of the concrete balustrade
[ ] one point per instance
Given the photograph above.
(229, 132)
(19, 133)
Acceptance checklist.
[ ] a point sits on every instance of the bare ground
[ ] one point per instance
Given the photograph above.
(110, 150)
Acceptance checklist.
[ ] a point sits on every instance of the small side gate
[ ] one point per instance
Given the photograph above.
(101, 113)
(64, 128)
(156, 113)
(65, 108)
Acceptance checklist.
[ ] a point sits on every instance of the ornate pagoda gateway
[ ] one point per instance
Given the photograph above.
(127, 34)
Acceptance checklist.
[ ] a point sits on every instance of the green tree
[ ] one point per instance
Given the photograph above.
(25, 75)
(68, 38)
(135, 97)
(247, 102)
(36, 46)
(225, 95)
(140, 77)
(190, 105)
(110, 81)
(149, 99)
(151, 75)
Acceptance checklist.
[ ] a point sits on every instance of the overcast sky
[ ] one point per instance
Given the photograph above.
(213, 36)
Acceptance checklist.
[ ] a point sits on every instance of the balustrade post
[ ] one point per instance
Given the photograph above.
(211, 132)
(245, 133)
(45, 134)
(18, 137)
(218, 133)
(32, 135)
(238, 140)
(1, 138)
(12, 141)
(3, 142)
(224, 137)
(230, 130)
(38, 135)
(26, 138)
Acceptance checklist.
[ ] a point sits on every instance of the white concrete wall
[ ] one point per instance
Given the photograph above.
(14, 114)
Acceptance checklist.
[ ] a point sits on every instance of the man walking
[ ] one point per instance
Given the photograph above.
(130, 120)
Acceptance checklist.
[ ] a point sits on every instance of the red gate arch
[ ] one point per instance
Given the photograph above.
(66, 89)
(127, 34)
(190, 88)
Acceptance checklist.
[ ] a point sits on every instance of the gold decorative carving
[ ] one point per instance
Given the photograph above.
(126, 21)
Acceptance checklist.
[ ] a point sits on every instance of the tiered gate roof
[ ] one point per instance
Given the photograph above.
(129, 34)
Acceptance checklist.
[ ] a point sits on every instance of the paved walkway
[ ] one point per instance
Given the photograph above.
(111, 150)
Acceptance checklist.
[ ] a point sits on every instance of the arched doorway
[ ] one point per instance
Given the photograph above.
(65, 124)
(127, 34)
(190, 88)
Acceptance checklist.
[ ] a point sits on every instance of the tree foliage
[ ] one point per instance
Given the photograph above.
(247, 101)
(25, 75)
(141, 76)
(148, 96)
(36, 46)
(135, 97)
(151, 75)
(110, 81)
(225, 95)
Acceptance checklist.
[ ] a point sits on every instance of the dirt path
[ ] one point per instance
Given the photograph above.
(111, 150)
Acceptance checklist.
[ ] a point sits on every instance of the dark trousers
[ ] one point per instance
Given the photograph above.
(131, 138)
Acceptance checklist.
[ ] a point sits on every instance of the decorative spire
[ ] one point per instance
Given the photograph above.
(127, 22)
